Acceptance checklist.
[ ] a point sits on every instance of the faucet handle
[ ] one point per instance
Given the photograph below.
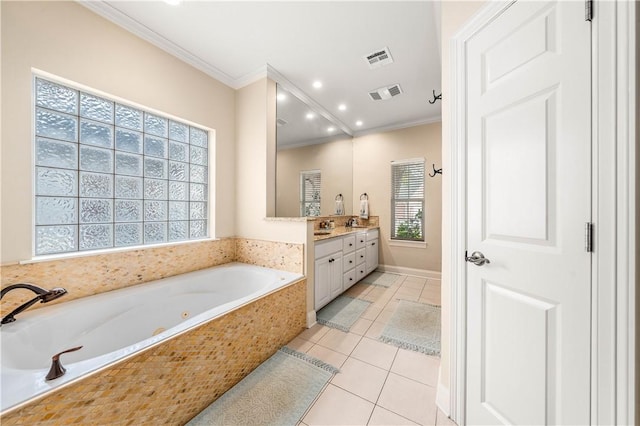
(57, 370)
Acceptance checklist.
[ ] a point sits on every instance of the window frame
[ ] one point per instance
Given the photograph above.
(208, 182)
(394, 219)
(304, 175)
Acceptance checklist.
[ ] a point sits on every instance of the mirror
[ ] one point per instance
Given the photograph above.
(314, 164)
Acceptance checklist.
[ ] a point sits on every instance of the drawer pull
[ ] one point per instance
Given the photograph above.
(351, 261)
(350, 244)
(373, 244)
(350, 279)
(361, 256)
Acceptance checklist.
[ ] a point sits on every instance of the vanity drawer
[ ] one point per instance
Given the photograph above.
(348, 243)
(349, 261)
(361, 271)
(349, 279)
(328, 247)
(373, 234)
(361, 240)
(360, 256)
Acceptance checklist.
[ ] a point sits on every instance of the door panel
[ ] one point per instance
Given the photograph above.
(528, 198)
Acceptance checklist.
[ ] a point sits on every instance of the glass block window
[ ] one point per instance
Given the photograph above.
(310, 186)
(407, 200)
(111, 175)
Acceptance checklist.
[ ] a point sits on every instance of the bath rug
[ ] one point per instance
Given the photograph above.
(414, 326)
(342, 312)
(382, 279)
(278, 392)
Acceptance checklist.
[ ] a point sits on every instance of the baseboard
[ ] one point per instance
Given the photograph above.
(442, 399)
(311, 319)
(425, 273)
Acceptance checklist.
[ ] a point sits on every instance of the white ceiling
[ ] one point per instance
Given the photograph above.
(236, 42)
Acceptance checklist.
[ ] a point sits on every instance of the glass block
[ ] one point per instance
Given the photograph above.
(56, 182)
(198, 137)
(96, 185)
(198, 174)
(155, 232)
(178, 131)
(198, 192)
(128, 117)
(128, 234)
(96, 159)
(54, 96)
(56, 210)
(128, 140)
(155, 125)
(155, 189)
(178, 210)
(96, 108)
(128, 164)
(198, 211)
(56, 239)
(198, 229)
(178, 171)
(155, 168)
(56, 154)
(198, 156)
(155, 147)
(128, 210)
(178, 151)
(155, 211)
(93, 133)
(128, 187)
(178, 231)
(56, 125)
(178, 190)
(93, 237)
(93, 210)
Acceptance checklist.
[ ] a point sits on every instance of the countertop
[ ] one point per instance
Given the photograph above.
(342, 230)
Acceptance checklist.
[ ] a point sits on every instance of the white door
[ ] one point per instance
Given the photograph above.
(528, 198)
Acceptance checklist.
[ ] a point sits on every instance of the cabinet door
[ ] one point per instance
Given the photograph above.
(322, 280)
(372, 256)
(335, 286)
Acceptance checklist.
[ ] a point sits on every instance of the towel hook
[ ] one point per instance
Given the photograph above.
(435, 171)
(339, 197)
(436, 97)
(364, 194)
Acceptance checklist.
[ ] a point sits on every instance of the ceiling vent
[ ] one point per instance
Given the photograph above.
(384, 93)
(280, 122)
(378, 58)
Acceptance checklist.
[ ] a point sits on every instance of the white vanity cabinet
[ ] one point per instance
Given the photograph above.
(328, 271)
(348, 261)
(371, 249)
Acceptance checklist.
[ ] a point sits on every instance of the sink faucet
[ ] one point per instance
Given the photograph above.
(42, 295)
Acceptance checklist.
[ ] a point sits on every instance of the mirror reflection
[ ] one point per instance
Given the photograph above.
(314, 162)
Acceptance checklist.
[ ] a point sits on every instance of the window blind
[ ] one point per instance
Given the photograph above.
(407, 200)
(310, 187)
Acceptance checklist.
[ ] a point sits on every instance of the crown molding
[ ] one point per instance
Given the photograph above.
(398, 126)
(125, 21)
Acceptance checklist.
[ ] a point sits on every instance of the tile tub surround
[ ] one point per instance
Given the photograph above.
(89, 275)
(172, 382)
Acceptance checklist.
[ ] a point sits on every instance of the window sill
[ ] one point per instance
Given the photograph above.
(401, 243)
(78, 254)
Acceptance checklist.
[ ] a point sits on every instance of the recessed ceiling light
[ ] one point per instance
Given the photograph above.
(342, 107)
(359, 123)
(331, 129)
(310, 115)
(173, 2)
(281, 97)
(317, 84)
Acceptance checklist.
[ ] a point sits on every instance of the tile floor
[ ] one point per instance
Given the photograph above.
(379, 384)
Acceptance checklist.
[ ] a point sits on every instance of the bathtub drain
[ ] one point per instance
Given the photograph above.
(185, 315)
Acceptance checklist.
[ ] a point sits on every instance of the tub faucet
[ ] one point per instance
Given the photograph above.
(42, 295)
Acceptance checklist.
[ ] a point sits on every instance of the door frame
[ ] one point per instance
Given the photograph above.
(614, 171)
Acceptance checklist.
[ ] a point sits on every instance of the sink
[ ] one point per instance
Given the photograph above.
(322, 232)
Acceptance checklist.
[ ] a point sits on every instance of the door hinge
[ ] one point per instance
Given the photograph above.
(588, 10)
(588, 237)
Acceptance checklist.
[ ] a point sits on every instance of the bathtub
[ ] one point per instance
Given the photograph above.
(117, 325)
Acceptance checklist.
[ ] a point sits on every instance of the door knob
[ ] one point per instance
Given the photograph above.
(477, 258)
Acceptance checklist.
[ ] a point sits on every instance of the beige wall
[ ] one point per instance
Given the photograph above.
(335, 162)
(68, 40)
(453, 15)
(372, 156)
